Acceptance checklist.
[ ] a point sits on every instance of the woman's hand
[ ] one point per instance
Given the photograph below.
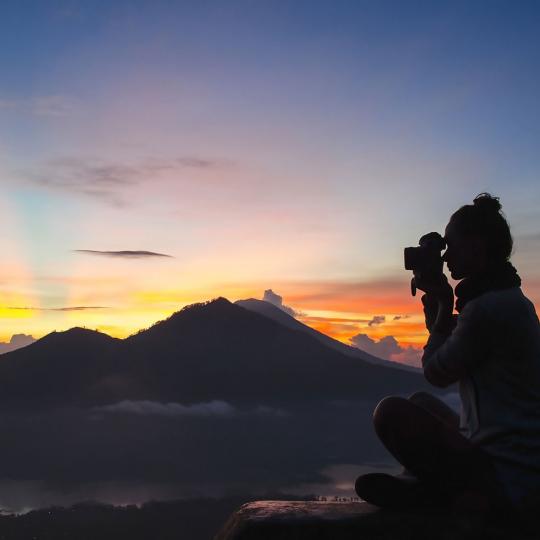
(431, 309)
(438, 303)
(436, 288)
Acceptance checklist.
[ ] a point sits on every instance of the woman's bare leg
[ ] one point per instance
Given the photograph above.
(436, 407)
(430, 448)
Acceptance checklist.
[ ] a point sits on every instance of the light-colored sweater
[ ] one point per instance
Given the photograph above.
(494, 355)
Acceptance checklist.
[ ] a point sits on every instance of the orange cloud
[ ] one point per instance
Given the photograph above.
(342, 309)
(407, 332)
(391, 295)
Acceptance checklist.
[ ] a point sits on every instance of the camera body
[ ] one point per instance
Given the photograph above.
(425, 260)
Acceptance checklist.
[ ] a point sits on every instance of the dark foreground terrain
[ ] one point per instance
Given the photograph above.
(322, 520)
(204, 518)
(216, 399)
(193, 519)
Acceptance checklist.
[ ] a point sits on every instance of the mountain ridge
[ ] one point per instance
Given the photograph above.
(207, 351)
(274, 312)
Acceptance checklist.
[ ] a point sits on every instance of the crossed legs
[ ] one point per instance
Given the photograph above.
(436, 407)
(422, 433)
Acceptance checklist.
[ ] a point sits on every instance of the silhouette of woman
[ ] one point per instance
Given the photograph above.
(488, 457)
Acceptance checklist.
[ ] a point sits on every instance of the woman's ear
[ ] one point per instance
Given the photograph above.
(478, 249)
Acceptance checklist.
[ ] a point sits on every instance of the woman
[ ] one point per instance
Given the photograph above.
(489, 456)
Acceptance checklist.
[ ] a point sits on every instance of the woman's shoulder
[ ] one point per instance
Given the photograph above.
(506, 302)
(497, 297)
(509, 296)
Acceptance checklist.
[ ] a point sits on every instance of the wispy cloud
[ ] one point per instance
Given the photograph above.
(70, 308)
(390, 294)
(108, 181)
(211, 408)
(101, 181)
(346, 320)
(51, 106)
(123, 254)
(377, 319)
(200, 163)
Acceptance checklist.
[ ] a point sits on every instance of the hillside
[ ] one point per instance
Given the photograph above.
(207, 351)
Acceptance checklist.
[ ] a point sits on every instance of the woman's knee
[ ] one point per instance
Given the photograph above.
(420, 397)
(436, 407)
(387, 412)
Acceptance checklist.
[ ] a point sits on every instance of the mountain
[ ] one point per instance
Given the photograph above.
(273, 312)
(54, 370)
(215, 350)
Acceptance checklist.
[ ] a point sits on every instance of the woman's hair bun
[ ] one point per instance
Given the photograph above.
(487, 203)
(485, 218)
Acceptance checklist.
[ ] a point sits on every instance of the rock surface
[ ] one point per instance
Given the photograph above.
(298, 520)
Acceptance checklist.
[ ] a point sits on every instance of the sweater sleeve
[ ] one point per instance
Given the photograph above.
(448, 358)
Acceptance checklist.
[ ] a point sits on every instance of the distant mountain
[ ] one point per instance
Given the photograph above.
(207, 351)
(273, 312)
(56, 369)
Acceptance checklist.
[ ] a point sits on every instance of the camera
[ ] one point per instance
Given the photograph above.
(425, 260)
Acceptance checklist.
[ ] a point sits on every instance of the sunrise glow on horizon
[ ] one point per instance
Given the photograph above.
(159, 154)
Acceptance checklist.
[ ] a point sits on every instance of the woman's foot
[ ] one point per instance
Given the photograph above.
(400, 491)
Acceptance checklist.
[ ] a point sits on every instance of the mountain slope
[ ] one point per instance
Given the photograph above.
(273, 312)
(219, 350)
(54, 370)
(208, 351)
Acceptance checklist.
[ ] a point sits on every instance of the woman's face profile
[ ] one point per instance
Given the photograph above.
(465, 255)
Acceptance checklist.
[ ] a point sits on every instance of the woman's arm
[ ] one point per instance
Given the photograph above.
(438, 303)
(452, 347)
(450, 355)
(431, 314)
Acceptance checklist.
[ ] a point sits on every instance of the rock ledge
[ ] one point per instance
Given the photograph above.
(314, 520)
(287, 519)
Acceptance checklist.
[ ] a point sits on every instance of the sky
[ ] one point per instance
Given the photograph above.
(157, 154)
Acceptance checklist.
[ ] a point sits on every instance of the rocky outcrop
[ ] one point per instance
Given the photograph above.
(314, 520)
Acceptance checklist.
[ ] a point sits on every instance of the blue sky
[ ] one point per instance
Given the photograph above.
(286, 144)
